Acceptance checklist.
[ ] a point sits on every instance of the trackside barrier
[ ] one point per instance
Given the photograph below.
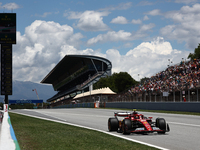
(79, 105)
(168, 106)
(8, 140)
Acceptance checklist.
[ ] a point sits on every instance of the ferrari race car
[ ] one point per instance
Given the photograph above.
(136, 123)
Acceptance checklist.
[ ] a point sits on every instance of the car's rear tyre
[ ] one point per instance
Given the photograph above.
(126, 126)
(113, 124)
(161, 124)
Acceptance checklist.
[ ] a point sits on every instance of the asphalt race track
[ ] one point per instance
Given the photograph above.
(184, 134)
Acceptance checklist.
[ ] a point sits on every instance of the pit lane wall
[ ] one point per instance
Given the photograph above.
(8, 140)
(168, 106)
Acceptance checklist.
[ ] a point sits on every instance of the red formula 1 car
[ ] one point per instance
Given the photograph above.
(136, 123)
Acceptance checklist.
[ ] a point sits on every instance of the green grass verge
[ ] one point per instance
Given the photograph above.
(38, 134)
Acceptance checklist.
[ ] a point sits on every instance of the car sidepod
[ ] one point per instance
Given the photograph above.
(146, 125)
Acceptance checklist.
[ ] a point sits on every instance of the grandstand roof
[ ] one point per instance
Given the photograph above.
(65, 64)
(75, 73)
(106, 91)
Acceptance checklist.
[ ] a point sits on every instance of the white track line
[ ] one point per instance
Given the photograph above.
(106, 132)
(184, 124)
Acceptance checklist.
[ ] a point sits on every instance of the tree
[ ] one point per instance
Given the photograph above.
(45, 105)
(123, 81)
(196, 54)
(22, 106)
(106, 82)
(118, 82)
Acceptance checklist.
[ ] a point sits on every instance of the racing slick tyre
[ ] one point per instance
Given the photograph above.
(113, 124)
(161, 124)
(126, 126)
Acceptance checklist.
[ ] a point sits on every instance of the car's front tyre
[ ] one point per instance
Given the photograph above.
(126, 126)
(162, 125)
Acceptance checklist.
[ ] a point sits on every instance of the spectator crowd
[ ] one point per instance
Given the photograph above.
(185, 75)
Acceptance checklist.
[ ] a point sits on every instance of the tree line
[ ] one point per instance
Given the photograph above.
(117, 82)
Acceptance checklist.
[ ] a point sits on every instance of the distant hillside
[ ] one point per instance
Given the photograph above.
(24, 90)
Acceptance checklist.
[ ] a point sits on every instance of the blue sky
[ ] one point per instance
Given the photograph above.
(138, 37)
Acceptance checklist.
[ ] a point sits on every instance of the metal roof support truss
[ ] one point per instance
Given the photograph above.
(94, 66)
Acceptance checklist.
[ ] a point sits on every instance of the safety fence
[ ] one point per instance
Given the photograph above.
(187, 95)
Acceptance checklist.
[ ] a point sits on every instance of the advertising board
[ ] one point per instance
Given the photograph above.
(7, 28)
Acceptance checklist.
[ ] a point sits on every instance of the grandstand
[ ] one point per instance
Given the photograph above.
(75, 74)
(178, 83)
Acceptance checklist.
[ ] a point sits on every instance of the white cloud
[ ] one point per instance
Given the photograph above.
(154, 12)
(146, 17)
(146, 59)
(10, 6)
(89, 20)
(111, 36)
(44, 44)
(147, 27)
(128, 45)
(119, 20)
(158, 46)
(186, 27)
(138, 21)
(121, 35)
(40, 48)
